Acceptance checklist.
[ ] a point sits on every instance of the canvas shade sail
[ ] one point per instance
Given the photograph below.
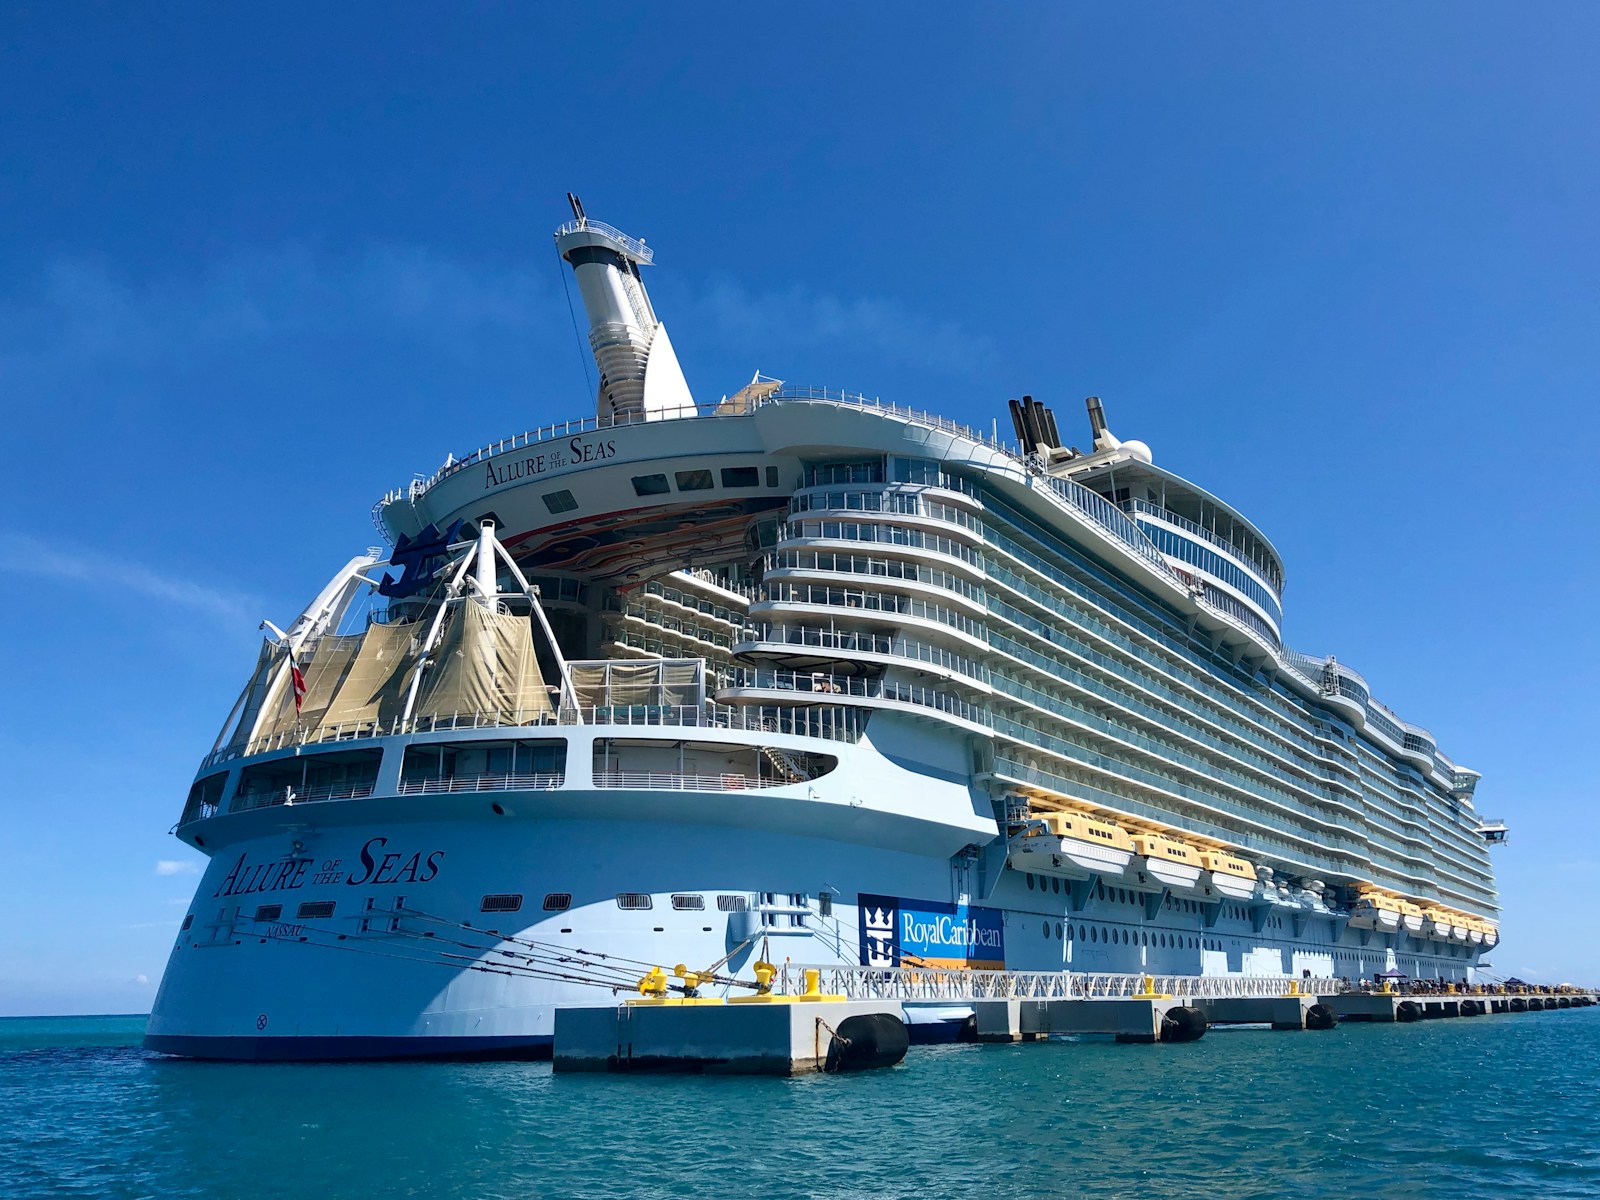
(324, 661)
(373, 691)
(484, 665)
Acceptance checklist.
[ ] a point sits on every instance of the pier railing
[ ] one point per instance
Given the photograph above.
(956, 985)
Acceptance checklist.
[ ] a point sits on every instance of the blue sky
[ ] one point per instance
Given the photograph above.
(256, 267)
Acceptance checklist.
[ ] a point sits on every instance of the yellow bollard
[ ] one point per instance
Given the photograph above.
(813, 982)
(764, 971)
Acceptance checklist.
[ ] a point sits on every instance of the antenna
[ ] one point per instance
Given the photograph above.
(577, 209)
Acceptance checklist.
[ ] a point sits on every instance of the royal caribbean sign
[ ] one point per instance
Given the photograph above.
(895, 931)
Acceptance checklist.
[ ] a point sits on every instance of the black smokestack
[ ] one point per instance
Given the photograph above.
(1018, 423)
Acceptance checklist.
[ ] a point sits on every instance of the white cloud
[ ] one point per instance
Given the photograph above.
(20, 555)
(140, 980)
(177, 866)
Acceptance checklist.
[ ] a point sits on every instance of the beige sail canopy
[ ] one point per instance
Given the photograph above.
(485, 664)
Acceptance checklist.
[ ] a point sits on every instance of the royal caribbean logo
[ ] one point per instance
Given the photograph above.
(895, 931)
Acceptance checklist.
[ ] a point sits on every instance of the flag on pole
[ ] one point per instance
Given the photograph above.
(296, 681)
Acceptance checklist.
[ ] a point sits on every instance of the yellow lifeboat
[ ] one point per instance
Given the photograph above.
(1073, 845)
(1411, 917)
(1232, 877)
(1436, 924)
(1167, 861)
(1378, 910)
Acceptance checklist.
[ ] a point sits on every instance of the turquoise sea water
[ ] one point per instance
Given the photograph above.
(1487, 1106)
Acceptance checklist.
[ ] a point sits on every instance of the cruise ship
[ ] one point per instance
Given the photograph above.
(798, 677)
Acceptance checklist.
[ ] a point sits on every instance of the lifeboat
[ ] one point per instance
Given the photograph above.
(1167, 861)
(1073, 846)
(1475, 931)
(1458, 928)
(1229, 876)
(1491, 933)
(1411, 917)
(1436, 924)
(1376, 911)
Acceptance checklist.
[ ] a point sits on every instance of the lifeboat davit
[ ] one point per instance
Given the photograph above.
(1436, 924)
(1228, 876)
(1073, 846)
(1164, 860)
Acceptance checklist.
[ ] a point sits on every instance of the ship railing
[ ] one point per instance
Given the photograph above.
(1221, 543)
(245, 801)
(950, 984)
(809, 683)
(680, 782)
(834, 722)
(536, 782)
(635, 246)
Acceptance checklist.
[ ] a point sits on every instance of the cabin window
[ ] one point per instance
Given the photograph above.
(733, 903)
(825, 905)
(634, 901)
(188, 920)
(772, 476)
(694, 481)
(558, 901)
(314, 908)
(501, 902)
(688, 903)
(559, 502)
(740, 477)
(269, 912)
(650, 485)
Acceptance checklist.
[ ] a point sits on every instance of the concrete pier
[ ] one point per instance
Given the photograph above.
(780, 1037)
(1128, 1020)
(1281, 1012)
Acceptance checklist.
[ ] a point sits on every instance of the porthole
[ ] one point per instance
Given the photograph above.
(1030, 883)
(269, 912)
(1047, 929)
(733, 903)
(1094, 934)
(688, 903)
(1055, 884)
(558, 901)
(1058, 932)
(634, 901)
(314, 908)
(501, 902)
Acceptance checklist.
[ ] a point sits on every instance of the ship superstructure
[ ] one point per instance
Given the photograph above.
(793, 675)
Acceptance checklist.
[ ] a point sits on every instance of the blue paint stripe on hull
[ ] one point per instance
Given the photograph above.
(334, 1049)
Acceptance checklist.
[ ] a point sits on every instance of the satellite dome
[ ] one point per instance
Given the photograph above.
(1138, 450)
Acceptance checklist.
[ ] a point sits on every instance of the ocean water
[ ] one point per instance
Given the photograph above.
(1487, 1106)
